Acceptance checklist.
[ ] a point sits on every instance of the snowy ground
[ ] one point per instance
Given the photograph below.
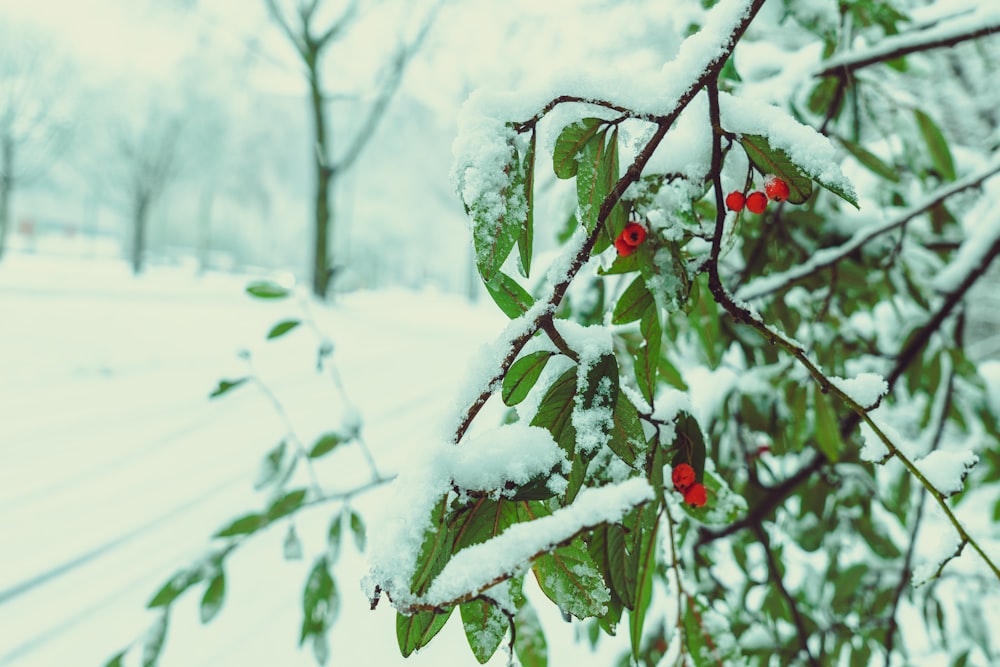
(115, 468)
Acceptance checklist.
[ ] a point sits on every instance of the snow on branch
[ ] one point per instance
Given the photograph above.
(476, 568)
(827, 256)
(985, 20)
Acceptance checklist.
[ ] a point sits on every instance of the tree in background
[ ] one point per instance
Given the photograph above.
(312, 41)
(147, 161)
(33, 125)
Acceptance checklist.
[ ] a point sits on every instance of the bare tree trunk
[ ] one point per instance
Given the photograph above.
(323, 214)
(139, 222)
(6, 190)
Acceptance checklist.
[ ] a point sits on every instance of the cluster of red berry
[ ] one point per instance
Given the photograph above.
(630, 238)
(776, 189)
(694, 492)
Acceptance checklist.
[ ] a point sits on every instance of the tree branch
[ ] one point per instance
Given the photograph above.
(945, 34)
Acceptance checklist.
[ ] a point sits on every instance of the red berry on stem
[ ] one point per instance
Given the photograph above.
(682, 477)
(633, 234)
(623, 247)
(735, 200)
(776, 188)
(756, 202)
(696, 495)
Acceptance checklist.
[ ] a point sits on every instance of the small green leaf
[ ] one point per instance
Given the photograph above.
(211, 601)
(512, 299)
(267, 289)
(291, 548)
(569, 577)
(325, 444)
(596, 174)
(634, 301)
(569, 143)
(522, 376)
(827, 430)
(245, 525)
(286, 504)
(870, 160)
(555, 410)
(526, 238)
(644, 553)
(627, 437)
(529, 642)
(937, 145)
(155, 638)
(320, 603)
(358, 530)
(227, 385)
(485, 626)
(333, 536)
(435, 550)
(176, 585)
(416, 631)
(116, 660)
(270, 466)
(282, 327)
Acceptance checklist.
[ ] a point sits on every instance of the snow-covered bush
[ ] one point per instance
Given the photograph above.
(738, 437)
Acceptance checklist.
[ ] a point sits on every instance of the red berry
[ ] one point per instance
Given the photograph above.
(776, 188)
(756, 202)
(682, 476)
(623, 247)
(633, 234)
(735, 200)
(696, 496)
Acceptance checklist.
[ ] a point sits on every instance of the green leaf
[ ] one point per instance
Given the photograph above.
(155, 638)
(286, 504)
(359, 532)
(555, 410)
(435, 550)
(770, 160)
(827, 430)
(870, 160)
(512, 299)
(485, 626)
(529, 642)
(937, 145)
(416, 631)
(333, 536)
(291, 548)
(598, 167)
(775, 161)
(245, 525)
(634, 301)
(176, 585)
(325, 444)
(522, 376)
(483, 520)
(700, 645)
(227, 385)
(723, 505)
(270, 466)
(644, 555)
(690, 445)
(569, 577)
(320, 602)
(627, 436)
(570, 143)
(526, 237)
(497, 221)
(211, 601)
(267, 289)
(116, 660)
(617, 559)
(282, 327)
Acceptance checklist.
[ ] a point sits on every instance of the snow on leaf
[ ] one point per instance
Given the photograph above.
(475, 567)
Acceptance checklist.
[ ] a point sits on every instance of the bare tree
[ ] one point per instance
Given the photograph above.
(311, 42)
(147, 159)
(31, 87)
